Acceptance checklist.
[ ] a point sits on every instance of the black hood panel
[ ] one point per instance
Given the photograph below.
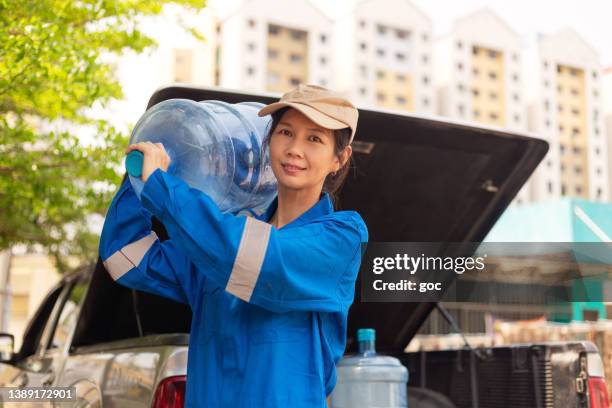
(416, 179)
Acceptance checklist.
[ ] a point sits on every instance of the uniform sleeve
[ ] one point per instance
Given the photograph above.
(134, 256)
(305, 267)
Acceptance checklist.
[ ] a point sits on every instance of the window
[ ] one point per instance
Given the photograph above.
(295, 58)
(425, 79)
(546, 83)
(323, 38)
(563, 189)
(459, 44)
(578, 190)
(400, 56)
(594, 75)
(515, 97)
(295, 81)
(546, 104)
(597, 151)
(493, 116)
(560, 128)
(517, 119)
(598, 192)
(380, 97)
(362, 91)
(425, 37)
(363, 69)
(323, 82)
(401, 34)
(251, 23)
(476, 113)
(576, 150)
(363, 46)
(545, 64)
(575, 111)
(461, 109)
(425, 102)
(574, 91)
(475, 92)
(515, 77)
(598, 170)
(400, 100)
(559, 89)
(460, 87)
(475, 71)
(68, 316)
(362, 23)
(380, 52)
(425, 58)
(272, 53)
(380, 74)
(273, 29)
(251, 46)
(514, 57)
(575, 131)
(492, 74)
(550, 187)
(577, 169)
(250, 71)
(460, 66)
(297, 35)
(492, 95)
(401, 77)
(323, 60)
(492, 54)
(381, 29)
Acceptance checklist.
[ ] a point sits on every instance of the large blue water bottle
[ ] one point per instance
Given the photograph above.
(215, 147)
(368, 379)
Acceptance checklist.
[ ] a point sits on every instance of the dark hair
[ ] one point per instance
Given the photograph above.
(332, 183)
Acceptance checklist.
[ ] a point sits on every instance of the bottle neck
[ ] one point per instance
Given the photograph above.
(367, 347)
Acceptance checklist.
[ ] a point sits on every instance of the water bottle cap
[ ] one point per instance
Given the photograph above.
(366, 334)
(133, 163)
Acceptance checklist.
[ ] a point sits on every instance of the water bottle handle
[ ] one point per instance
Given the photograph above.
(133, 163)
(135, 159)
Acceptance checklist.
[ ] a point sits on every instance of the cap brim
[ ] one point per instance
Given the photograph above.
(317, 117)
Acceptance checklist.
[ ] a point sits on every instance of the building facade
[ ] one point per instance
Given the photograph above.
(385, 58)
(566, 109)
(267, 45)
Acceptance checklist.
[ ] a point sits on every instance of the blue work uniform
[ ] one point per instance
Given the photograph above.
(269, 305)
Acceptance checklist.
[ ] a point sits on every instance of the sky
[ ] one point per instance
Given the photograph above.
(592, 19)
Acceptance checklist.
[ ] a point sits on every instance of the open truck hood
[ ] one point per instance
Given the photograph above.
(416, 179)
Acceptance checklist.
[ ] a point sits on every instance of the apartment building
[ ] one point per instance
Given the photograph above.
(385, 58)
(566, 109)
(268, 45)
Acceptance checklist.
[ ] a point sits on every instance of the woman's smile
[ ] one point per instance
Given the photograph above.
(291, 169)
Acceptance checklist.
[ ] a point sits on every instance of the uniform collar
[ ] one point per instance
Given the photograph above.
(323, 207)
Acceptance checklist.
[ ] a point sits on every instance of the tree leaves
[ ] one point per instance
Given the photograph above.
(52, 69)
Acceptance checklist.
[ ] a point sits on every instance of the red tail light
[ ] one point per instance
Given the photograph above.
(598, 393)
(170, 393)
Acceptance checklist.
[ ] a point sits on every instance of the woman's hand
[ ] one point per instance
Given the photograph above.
(155, 157)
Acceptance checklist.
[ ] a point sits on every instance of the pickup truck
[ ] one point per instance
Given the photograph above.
(417, 179)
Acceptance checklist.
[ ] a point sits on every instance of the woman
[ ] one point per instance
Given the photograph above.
(269, 294)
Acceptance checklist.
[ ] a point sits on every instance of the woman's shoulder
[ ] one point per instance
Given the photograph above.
(348, 219)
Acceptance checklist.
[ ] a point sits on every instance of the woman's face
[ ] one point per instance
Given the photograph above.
(302, 152)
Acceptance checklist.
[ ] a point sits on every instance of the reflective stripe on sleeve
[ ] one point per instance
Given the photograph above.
(129, 256)
(249, 259)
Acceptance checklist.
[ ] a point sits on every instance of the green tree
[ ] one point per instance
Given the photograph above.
(53, 67)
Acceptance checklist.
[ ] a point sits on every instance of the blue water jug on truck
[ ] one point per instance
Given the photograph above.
(215, 147)
(370, 380)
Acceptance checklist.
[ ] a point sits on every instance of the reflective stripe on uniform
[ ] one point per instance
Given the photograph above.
(129, 256)
(249, 259)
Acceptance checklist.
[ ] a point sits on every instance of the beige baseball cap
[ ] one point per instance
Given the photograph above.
(326, 108)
